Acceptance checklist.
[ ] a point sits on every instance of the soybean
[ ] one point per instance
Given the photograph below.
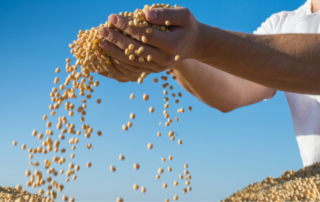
(149, 30)
(177, 58)
(136, 166)
(144, 39)
(124, 127)
(146, 97)
(131, 47)
(112, 168)
(132, 96)
(135, 186)
(151, 109)
(150, 146)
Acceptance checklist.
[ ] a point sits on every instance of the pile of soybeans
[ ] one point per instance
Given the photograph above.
(302, 185)
(80, 84)
(18, 195)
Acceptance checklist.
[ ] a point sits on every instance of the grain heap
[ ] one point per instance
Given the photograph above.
(302, 185)
(91, 58)
(18, 195)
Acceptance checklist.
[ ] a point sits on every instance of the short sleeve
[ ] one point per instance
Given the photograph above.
(268, 27)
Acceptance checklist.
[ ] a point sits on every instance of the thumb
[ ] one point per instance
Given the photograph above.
(176, 16)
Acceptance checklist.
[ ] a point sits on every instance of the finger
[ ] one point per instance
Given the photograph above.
(123, 41)
(113, 62)
(113, 72)
(132, 68)
(116, 52)
(157, 38)
(126, 72)
(178, 16)
(103, 73)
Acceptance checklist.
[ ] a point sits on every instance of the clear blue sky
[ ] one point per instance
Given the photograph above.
(225, 152)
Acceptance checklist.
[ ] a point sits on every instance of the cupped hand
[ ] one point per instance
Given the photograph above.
(162, 46)
(117, 71)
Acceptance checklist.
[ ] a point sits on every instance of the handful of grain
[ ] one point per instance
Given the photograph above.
(88, 52)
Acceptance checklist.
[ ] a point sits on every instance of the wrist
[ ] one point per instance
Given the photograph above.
(206, 44)
(199, 44)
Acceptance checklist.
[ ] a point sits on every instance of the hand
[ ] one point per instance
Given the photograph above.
(162, 46)
(116, 71)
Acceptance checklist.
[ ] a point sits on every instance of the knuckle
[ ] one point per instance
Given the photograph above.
(138, 36)
(122, 44)
(111, 36)
(122, 24)
(186, 12)
(115, 38)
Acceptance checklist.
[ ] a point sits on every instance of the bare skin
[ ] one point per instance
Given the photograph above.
(315, 5)
(224, 69)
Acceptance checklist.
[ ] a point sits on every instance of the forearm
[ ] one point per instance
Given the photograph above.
(288, 62)
(216, 88)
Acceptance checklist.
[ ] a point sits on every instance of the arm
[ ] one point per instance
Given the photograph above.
(218, 89)
(286, 62)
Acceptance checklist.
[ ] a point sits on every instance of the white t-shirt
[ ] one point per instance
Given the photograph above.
(305, 109)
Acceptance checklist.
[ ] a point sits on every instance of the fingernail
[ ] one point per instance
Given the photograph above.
(152, 15)
(104, 32)
(113, 19)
